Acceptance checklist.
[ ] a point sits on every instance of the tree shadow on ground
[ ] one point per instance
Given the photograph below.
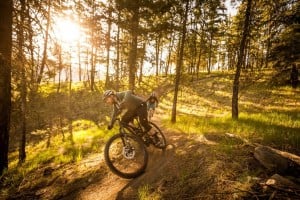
(60, 182)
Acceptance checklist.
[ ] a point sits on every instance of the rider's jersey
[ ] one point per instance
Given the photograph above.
(125, 100)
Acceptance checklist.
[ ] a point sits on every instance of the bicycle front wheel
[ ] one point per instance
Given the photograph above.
(126, 155)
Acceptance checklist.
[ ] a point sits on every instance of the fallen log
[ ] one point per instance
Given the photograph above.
(281, 183)
(278, 161)
(284, 187)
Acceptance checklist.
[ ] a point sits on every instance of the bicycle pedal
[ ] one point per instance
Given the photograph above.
(155, 139)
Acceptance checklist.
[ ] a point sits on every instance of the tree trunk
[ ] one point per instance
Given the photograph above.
(108, 43)
(93, 50)
(31, 50)
(209, 53)
(235, 88)
(79, 62)
(199, 57)
(40, 74)
(93, 69)
(118, 58)
(141, 62)
(80, 16)
(169, 54)
(179, 64)
(59, 68)
(157, 50)
(268, 46)
(133, 51)
(6, 8)
(22, 152)
(70, 105)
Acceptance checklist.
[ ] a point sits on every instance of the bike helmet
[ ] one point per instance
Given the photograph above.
(107, 93)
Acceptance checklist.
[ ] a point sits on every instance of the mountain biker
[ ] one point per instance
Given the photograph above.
(152, 102)
(134, 105)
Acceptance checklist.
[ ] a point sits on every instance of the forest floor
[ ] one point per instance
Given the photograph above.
(200, 165)
(191, 167)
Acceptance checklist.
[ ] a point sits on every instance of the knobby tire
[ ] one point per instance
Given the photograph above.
(161, 136)
(126, 165)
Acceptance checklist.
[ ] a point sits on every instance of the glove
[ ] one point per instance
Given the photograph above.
(109, 127)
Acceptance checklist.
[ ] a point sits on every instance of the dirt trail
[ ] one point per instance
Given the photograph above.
(114, 187)
(192, 166)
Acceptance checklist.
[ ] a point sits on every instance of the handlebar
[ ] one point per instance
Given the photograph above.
(122, 124)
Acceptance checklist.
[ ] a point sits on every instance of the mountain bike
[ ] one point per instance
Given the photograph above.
(126, 154)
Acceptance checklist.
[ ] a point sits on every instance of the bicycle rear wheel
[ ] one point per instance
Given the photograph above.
(158, 138)
(126, 155)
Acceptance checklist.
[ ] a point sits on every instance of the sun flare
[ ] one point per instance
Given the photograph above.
(67, 30)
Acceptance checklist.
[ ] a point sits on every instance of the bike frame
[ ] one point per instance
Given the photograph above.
(135, 129)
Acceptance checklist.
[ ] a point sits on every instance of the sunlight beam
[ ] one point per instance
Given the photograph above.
(67, 31)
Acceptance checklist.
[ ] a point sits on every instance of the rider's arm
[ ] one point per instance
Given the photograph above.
(115, 113)
(126, 98)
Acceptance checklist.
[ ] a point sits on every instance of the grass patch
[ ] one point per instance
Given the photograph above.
(276, 129)
(145, 192)
(88, 138)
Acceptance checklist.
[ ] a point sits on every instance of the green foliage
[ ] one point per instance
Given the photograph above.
(146, 193)
(286, 48)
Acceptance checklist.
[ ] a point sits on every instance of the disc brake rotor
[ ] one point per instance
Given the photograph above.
(128, 152)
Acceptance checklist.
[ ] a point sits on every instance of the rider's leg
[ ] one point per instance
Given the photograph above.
(143, 116)
(128, 116)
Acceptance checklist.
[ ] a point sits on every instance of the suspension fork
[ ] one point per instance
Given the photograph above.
(124, 136)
